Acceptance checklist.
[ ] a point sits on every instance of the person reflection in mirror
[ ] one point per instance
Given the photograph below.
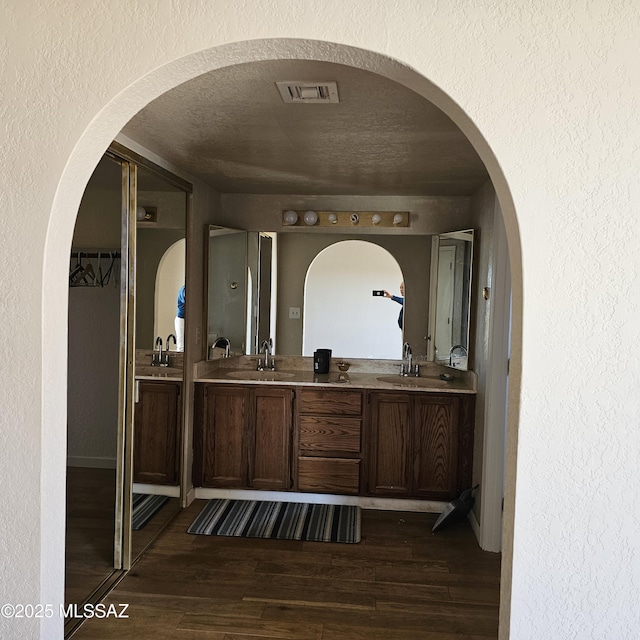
(179, 321)
(400, 300)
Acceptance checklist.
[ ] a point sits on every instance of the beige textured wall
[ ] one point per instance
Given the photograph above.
(559, 133)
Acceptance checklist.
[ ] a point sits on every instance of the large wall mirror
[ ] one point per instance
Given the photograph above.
(450, 317)
(160, 257)
(228, 287)
(278, 294)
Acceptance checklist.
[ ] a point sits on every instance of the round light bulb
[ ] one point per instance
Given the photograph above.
(290, 217)
(398, 218)
(333, 218)
(376, 218)
(310, 218)
(141, 213)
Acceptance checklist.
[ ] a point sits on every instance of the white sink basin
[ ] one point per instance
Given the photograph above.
(260, 375)
(409, 381)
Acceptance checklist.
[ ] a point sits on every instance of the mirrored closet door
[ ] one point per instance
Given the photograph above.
(125, 409)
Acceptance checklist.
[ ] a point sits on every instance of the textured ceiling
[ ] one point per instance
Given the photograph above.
(231, 129)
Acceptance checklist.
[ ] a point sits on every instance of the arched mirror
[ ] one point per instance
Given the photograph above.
(342, 308)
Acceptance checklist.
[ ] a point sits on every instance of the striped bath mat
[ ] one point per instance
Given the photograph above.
(278, 520)
(144, 508)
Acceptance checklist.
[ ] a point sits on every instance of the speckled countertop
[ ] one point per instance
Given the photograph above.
(144, 370)
(362, 374)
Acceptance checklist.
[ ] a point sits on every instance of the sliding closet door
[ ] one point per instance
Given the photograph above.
(122, 533)
(94, 487)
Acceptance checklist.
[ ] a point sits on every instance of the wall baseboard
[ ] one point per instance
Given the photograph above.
(190, 497)
(156, 489)
(92, 462)
(475, 525)
(384, 504)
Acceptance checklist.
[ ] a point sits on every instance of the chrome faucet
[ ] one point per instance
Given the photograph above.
(223, 342)
(407, 368)
(164, 360)
(269, 362)
(457, 347)
(158, 360)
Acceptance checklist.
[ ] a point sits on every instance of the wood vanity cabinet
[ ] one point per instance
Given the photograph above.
(242, 437)
(156, 440)
(329, 436)
(420, 445)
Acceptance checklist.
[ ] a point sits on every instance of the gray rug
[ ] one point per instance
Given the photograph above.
(144, 508)
(278, 520)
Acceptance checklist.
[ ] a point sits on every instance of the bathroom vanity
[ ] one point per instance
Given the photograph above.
(365, 433)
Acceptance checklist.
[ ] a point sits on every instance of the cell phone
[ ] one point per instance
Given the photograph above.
(378, 292)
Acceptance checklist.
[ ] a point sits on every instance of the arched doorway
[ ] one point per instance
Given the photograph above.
(119, 110)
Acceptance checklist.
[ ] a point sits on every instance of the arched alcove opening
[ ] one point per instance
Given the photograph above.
(92, 145)
(340, 312)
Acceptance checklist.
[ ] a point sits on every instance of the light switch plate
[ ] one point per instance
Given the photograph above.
(294, 313)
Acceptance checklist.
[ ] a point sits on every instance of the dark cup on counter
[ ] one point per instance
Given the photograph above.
(321, 360)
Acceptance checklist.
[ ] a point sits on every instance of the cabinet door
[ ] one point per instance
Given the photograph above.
(223, 454)
(156, 433)
(389, 445)
(270, 439)
(435, 450)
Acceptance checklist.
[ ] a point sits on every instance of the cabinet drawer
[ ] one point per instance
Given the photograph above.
(329, 402)
(323, 434)
(328, 475)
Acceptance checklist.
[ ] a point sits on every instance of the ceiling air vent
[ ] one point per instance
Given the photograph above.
(308, 91)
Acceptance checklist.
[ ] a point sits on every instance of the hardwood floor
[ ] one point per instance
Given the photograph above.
(90, 530)
(400, 583)
(141, 538)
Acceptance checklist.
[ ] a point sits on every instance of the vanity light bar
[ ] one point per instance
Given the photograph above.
(309, 218)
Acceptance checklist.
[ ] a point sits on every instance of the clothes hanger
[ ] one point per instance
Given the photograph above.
(89, 273)
(76, 272)
(98, 280)
(107, 275)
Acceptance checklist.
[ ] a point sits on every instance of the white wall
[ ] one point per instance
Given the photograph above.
(94, 327)
(546, 91)
(94, 339)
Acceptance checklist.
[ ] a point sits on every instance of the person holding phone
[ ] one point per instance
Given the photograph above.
(400, 300)
(179, 320)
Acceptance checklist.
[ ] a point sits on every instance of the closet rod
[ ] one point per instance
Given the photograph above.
(94, 254)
